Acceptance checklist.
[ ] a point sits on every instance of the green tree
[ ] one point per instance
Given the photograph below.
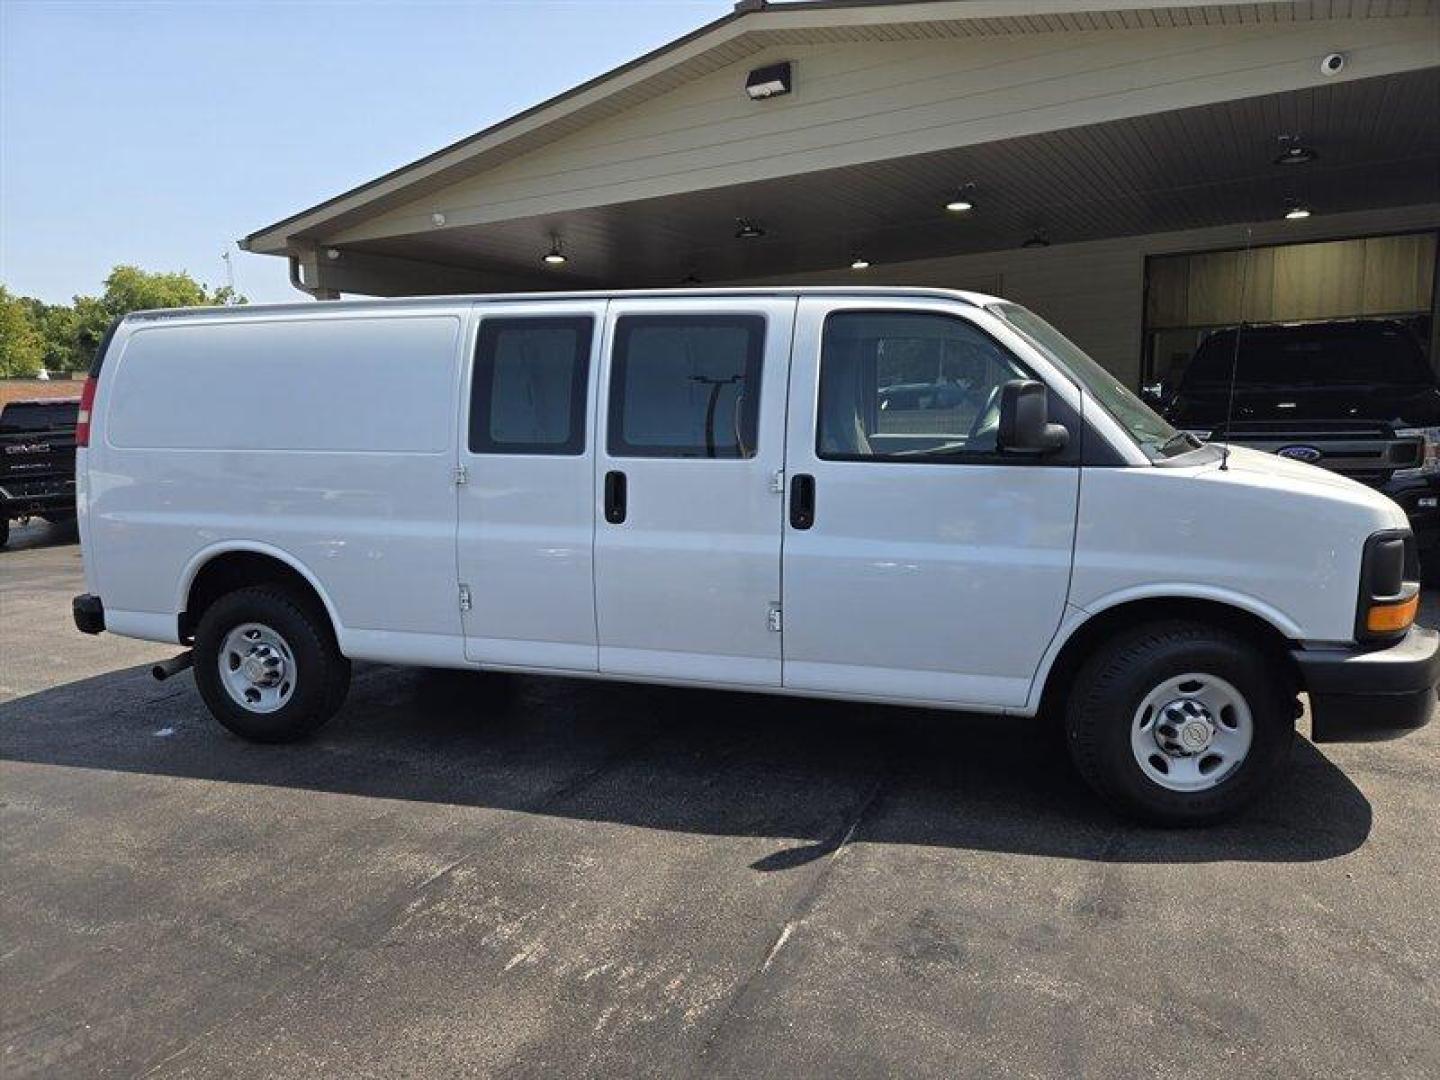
(71, 333)
(64, 337)
(22, 348)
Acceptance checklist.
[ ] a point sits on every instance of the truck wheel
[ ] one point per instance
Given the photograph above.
(1179, 723)
(267, 665)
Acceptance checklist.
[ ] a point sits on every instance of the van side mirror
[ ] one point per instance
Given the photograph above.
(1025, 426)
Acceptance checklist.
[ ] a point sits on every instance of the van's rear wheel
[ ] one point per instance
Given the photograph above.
(267, 665)
(1179, 723)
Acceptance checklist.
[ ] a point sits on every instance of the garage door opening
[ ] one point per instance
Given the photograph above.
(1191, 296)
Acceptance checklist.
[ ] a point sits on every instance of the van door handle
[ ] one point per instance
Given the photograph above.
(802, 501)
(615, 497)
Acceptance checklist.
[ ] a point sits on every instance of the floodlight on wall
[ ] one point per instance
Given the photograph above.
(745, 229)
(437, 218)
(332, 254)
(768, 82)
(859, 262)
(1039, 240)
(555, 256)
(1295, 211)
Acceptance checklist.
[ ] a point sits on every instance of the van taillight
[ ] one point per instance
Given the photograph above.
(87, 402)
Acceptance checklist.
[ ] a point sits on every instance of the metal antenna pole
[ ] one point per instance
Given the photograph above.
(1235, 358)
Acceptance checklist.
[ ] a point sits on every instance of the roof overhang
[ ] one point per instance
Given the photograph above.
(752, 28)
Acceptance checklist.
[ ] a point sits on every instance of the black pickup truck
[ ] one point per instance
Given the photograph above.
(37, 461)
(1353, 396)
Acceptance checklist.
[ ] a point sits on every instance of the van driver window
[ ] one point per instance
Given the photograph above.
(909, 385)
(528, 391)
(686, 386)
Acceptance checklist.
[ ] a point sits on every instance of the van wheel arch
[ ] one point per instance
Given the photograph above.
(228, 571)
(1103, 626)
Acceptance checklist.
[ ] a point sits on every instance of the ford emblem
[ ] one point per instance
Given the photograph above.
(1308, 454)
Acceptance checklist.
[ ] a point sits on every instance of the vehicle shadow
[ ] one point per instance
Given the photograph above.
(807, 773)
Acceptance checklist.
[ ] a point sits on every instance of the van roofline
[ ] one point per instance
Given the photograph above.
(972, 299)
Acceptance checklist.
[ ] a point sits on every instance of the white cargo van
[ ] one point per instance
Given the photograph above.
(884, 495)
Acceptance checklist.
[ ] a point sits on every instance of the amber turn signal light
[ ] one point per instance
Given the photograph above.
(1392, 618)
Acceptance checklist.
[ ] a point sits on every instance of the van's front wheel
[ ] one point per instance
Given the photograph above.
(1179, 723)
(267, 665)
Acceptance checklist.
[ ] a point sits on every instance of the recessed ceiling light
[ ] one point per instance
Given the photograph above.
(554, 257)
(859, 263)
(962, 201)
(745, 229)
(1295, 154)
(1296, 212)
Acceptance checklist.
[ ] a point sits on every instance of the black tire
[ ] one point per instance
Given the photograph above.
(1112, 686)
(321, 677)
(4, 530)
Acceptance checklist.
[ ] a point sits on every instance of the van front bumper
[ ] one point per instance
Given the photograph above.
(89, 614)
(1360, 695)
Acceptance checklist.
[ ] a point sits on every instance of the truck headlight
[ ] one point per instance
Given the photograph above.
(1429, 452)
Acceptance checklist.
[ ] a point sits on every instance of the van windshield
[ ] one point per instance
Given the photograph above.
(1151, 433)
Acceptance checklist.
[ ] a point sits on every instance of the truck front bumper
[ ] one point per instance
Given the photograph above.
(18, 502)
(1361, 695)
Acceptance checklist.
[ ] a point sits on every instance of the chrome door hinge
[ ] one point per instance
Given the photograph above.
(777, 481)
(774, 621)
(462, 475)
(464, 597)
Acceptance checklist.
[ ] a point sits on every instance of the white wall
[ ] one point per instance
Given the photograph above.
(1095, 292)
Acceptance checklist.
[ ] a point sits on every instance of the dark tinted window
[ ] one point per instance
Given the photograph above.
(686, 385)
(528, 391)
(908, 385)
(1352, 354)
(21, 416)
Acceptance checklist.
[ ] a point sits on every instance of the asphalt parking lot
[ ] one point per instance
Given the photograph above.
(474, 875)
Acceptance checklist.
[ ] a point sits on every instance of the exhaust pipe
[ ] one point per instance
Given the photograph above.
(167, 668)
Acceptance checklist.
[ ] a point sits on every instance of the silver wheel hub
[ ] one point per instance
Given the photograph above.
(257, 667)
(1185, 727)
(1191, 732)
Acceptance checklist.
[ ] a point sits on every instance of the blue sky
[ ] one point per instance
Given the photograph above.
(157, 133)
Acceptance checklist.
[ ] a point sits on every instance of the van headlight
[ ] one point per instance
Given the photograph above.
(1429, 452)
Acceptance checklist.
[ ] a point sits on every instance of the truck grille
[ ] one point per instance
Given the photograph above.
(1367, 453)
